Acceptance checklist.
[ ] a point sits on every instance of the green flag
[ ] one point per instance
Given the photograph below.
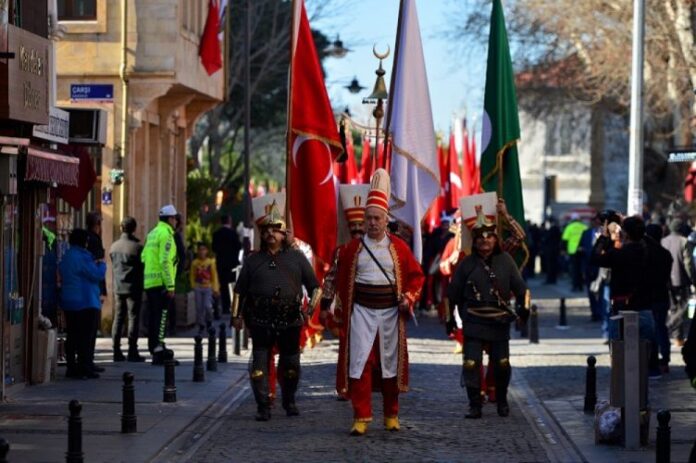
(500, 169)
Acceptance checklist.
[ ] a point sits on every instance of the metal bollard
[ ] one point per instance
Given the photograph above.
(4, 450)
(129, 422)
(212, 362)
(534, 325)
(562, 316)
(662, 441)
(590, 385)
(198, 370)
(74, 453)
(222, 350)
(169, 391)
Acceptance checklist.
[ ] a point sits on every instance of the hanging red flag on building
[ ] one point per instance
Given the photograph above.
(209, 50)
(313, 145)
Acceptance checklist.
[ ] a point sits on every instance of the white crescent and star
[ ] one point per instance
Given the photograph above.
(296, 147)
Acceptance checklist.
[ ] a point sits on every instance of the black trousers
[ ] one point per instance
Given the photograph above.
(288, 342)
(79, 340)
(499, 359)
(157, 307)
(127, 305)
(226, 277)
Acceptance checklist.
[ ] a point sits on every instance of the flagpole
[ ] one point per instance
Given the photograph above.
(391, 83)
(288, 134)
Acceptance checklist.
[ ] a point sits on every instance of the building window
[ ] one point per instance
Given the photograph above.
(77, 10)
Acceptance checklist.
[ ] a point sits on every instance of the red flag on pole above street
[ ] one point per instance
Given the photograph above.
(313, 144)
(454, 179)
(209, 50)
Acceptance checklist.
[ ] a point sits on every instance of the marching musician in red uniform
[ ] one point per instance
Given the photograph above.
(378, 282)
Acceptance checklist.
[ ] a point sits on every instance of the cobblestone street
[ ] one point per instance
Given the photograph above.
(432, 418)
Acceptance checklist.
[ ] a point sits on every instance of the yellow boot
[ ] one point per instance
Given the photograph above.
(391, 423)
(359, 428)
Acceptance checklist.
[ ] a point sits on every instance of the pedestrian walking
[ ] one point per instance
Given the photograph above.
(481, 289)
(378, 282)
(353, 199)
(572, 233)
(226, 247)
(96, 247)
(681, 279)
(80, 301)
(269, 291)
(127, 268)
(660, 279)
(593, 282)
(159, 258)
(205, 285)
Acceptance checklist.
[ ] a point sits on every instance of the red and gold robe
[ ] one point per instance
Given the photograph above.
(409, 281)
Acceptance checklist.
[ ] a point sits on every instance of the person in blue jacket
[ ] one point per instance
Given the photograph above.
(80, 275)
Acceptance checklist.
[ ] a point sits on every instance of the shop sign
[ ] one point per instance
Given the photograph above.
(684, 155)
(58, 128)
(24, 78)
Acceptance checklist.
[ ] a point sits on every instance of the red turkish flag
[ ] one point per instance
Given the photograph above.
(366, 162)
(209, 50)
(474, 167)
(434, 214)
(347, 171)
(313, 145)
(454, 176)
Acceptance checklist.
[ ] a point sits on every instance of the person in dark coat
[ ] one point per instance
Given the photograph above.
(551, 250)
(660, 279)
(595, 293)
(226, 247)
(127, 269)
(96, 247)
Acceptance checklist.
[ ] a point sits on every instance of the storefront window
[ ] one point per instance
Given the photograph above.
(77, 10)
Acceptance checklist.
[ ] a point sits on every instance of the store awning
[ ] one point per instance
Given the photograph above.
(50, 167)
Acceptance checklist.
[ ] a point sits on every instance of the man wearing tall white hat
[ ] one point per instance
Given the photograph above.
(269, 293)
(378, 281)
(481, 289)
(352, 200)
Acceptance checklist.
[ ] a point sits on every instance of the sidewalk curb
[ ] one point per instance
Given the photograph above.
(182, 446)
(553, 438)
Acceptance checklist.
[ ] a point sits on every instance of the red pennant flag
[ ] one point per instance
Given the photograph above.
(474, 166)
(209, 50)
(454, 175)
(347, 171)
(313, 145)
(366, 162)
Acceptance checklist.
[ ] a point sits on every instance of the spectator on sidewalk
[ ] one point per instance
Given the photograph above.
(630, 267)
(127, 269)
(96, 247)
(660, 279)
(204, 282)
(182, 264)
(550, 250)
(572, 233)
(80, 301)
(593, 282)
(681, 279)
(226, 247)
(159, 257)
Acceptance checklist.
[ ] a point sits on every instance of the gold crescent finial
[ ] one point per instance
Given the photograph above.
(380, 55)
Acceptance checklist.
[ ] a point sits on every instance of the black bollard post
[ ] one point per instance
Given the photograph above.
(591, 385)
(129, 422)
(212, 362)
(4, 450)
(692, 455)
(534, 325)
(198, 370)
(562, 316)
(222, 350)
(237, 342)
(662, 441)
(169, 391)
(74, 453)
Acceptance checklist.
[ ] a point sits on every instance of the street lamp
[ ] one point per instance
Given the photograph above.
(378, 95)
(336, 49)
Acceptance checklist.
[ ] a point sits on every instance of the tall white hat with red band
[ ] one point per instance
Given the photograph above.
(380, 190)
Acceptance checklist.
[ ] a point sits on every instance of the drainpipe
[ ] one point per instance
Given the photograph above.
(124, 109)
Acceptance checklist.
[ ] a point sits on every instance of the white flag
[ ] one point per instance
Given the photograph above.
(415, 173)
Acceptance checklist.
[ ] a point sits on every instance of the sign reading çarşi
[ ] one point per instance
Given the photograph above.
(92, 92)
(682, 155)
(58, 128)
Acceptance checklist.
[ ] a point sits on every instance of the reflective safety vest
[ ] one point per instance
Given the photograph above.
(159, 257)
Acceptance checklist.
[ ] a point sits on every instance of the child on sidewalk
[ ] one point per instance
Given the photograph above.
(204, 281)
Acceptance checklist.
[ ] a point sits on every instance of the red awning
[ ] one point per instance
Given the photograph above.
(50, 167)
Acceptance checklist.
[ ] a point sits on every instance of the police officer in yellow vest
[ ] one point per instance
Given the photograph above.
(159, 257)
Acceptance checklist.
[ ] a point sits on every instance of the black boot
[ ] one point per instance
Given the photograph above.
(133, 355)
(263, 413)
(503, 407)
(258, 374)
(474, 403)
(502, 380)
(290, 367)
(118, 355)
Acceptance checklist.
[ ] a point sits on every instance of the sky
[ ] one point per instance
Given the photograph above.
(456, 71)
